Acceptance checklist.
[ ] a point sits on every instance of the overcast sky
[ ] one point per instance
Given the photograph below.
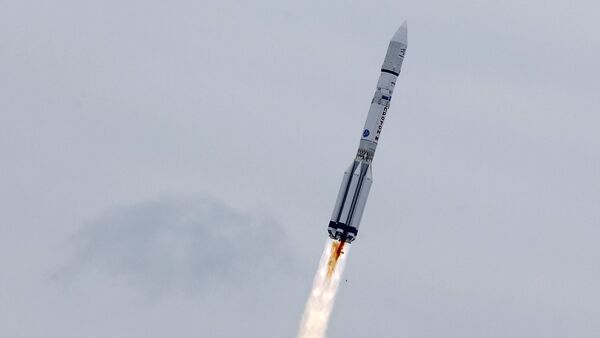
(168, 168)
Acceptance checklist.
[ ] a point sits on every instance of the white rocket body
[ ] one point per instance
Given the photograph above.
(357, 180)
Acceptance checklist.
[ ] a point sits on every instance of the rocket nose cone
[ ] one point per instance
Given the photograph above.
(401, 34)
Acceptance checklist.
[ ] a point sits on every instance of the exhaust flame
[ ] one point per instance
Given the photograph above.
(322, 296)
(336, 252)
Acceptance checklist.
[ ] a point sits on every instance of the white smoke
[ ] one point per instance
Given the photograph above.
(322, 296)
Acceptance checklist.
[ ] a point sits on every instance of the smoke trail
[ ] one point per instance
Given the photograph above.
(322, 296)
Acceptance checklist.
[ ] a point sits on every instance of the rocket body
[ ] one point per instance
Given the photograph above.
(357, 179)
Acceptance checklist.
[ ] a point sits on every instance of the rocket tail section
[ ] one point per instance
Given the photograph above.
(351, 202)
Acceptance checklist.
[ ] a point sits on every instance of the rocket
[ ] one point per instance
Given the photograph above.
(357, 180)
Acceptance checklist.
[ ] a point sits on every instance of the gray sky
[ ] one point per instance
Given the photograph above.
(168, 168)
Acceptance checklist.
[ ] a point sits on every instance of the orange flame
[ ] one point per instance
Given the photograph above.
(336, 252)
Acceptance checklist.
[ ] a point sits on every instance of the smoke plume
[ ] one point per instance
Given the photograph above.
(322, 296)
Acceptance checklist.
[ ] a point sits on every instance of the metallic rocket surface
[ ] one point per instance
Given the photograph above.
(357, 180)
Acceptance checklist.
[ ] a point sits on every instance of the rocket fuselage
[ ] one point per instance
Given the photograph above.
(357, 180)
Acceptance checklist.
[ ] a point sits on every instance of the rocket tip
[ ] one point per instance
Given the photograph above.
(401, 33)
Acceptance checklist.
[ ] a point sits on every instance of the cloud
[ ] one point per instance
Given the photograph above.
(188, 243)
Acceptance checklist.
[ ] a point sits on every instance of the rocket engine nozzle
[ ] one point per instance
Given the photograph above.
(342, 232)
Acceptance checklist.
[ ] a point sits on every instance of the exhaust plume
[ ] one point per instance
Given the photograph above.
(322, 296)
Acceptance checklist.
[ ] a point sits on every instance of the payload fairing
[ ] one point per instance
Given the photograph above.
(357, 180)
